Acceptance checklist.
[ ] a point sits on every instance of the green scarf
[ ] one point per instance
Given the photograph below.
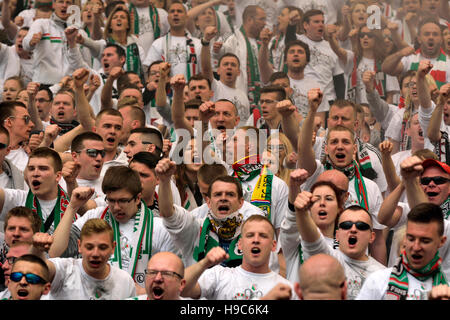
(62, 201)
(154, 18)
(133, 61)
(209, 239)
(141, 243)
(398, 281)
(439, 72)
(253, 76)
(353, 171)
(446, 208)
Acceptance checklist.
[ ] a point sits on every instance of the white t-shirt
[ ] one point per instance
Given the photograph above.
(376, 285)
(96, 184)
(19, 158)
(356, 271)
(235, 95)
(408, 60)
(4, 179)
(177, 54)
(300, 95)
(146, 29)
(15, 198)
(221, 283)
(323, 65)
(71, 282)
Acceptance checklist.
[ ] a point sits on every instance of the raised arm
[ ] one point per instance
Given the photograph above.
(209, 34)
(195, 11)
(62, 232)
(192, 289)
(392, 179)
(41, 244)
(265, 67)
(331, 37)
(306, 157)
(410, 169)
(434, 127)
(84, 109)
(106, 95)
(164, 171)
(378, 107)
(390, 213)
(289, 123)
(423, 90)
(32, 90)
(305, 224)
(9, 26)
(178, 82)
(392, 65)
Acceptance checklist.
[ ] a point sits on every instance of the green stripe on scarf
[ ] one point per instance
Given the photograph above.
(62, 201)
(154, 18)
(440, 76)
(133, 60)
(398, 282)
(253, 76)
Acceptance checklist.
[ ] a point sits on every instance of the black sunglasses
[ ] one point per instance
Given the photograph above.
(369, 34)
(94, 152)
(437, 180)
(347, 225)
(3, 146)
(30, 277)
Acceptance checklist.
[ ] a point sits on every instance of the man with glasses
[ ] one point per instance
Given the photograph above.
(419, 268)
(29, 278)
(43, 102)
(15, 118)
(16, 250)
(92, 277)
(164, 278)
(137, 231)
(88, 153)
(271, 118)
(354, 233)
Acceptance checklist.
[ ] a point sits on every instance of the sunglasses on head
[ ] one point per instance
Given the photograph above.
(94, 152)
(437, 180)
(347, 225)
(30, 277)
(369, 34)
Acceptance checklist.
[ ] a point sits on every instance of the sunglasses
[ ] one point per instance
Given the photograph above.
(26, 119)
(30, 277)
(3, 146)
(347, 225)
(437, 180)
(369, 34)
(94, 152)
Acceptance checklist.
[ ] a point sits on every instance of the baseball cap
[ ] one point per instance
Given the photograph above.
(434, 163)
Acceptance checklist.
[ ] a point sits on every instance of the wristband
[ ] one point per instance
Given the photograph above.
(204, 43)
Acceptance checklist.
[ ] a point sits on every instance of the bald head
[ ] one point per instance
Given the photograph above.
(322, 277)
(338, 178)
(169, 259)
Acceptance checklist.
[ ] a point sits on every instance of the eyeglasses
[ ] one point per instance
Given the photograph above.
(437, 180)
(30, 277)
(26, 119)
(165, 274)
(11, 260)
(347, 225)
(411, 84)
(369, 34)
(3, 146)
(276, 147)
(121, 202)
(94, 152)
(267, 101)
(387, 37)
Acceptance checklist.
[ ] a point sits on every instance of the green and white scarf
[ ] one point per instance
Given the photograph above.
(154, 18)
(141, 243)
(446, 208)
(62, 201)
(133, 60)
(191, 56)
(398, 281)
(209, 238)
(439, 71)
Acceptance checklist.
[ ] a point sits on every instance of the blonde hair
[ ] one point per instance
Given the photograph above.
(283, 172)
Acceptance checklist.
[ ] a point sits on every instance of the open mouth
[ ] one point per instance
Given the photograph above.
(223, 208)
(221, 127)
(416, 256)
(340, 156)
(322, 213)
(23, 293)
(420, 133)
(255, 250)
(432, 194)
(229, 74)
(61, 114)
(158, 292)
(352, 240)
(35, 183)
(106, 65)
(111, 140)
(95, 263)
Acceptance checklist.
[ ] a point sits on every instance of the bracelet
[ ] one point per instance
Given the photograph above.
(204, 43)
(291, 206)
